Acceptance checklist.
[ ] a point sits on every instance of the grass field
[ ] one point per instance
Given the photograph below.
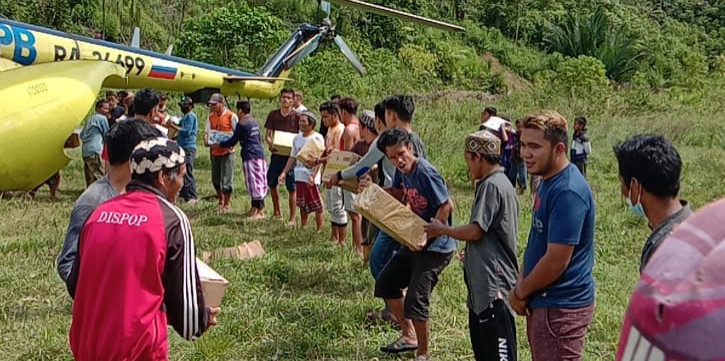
(306, 299)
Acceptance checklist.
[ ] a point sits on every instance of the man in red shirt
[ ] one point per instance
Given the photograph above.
(135, 271)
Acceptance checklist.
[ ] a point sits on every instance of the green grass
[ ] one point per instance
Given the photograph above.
(306, 299)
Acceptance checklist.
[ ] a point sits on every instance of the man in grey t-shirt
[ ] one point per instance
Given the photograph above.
(119, 142)
(490, 267)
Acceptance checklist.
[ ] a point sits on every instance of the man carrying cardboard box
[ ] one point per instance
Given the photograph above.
(136, 266)
(221, 120)
(284, 119)
(419, 184)
(333, 141)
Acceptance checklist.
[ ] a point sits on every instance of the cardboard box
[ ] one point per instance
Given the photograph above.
(338, 161)
(216, 136)
(213, 285)
(74, 140)
(282, 142)
(311, 151)
(391, 216)
(351, 185)
(243, 251)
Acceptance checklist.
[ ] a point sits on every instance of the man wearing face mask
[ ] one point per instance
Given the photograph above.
(649, 175)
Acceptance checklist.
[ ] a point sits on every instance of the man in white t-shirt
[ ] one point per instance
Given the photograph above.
(307, 180)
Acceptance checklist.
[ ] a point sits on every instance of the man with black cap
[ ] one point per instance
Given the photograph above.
(188, 127)
(136, 266)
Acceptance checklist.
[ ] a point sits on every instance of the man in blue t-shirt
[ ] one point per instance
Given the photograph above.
(418, 183)
(92, 139)
(188, 128)
(555, 289)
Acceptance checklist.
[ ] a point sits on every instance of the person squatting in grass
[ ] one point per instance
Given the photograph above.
(649, 178)
(307, 179)
(136, 272)
(286, 120)
(120, 141)
(555, 288)
(224, 120)
(420, 185)
(249, 137)
(490, 266)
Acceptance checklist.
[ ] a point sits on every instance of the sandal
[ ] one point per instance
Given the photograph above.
(399, 346)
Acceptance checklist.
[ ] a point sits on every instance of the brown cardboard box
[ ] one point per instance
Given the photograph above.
(243, 251)
(391, 216)
(338, 161)
(282, 142)
(74, 140)
(213, 284)
(351, 185)
(311, 151)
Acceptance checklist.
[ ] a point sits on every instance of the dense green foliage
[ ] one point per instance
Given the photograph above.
(674, 44)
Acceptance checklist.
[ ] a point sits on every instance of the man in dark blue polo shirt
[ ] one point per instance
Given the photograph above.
(555, 289)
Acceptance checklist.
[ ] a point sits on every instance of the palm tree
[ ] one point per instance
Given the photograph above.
(595, 35)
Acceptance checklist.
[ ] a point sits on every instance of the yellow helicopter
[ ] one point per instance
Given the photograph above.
(49, 79)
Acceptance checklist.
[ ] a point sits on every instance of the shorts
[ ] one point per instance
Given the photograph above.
(276, 166)
(336, 206)
(558, 333)
(309, 199)
(255, 170)
(493, 333)
(418, 271)
(348, 198)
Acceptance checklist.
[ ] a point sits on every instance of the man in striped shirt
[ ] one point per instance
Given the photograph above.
(135, 271)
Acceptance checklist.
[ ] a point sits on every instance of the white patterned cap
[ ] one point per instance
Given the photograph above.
(153, 155)
(483, 142)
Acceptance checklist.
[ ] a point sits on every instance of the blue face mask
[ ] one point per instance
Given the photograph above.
(635, 208)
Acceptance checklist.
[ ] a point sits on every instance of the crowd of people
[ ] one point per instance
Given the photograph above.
(129, 250)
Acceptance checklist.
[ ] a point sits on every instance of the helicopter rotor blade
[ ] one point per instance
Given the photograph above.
(303, 51)
(325, 7)
(382, 10)
(349, 55)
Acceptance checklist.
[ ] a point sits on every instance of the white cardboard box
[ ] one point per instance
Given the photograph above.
(212, 284)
